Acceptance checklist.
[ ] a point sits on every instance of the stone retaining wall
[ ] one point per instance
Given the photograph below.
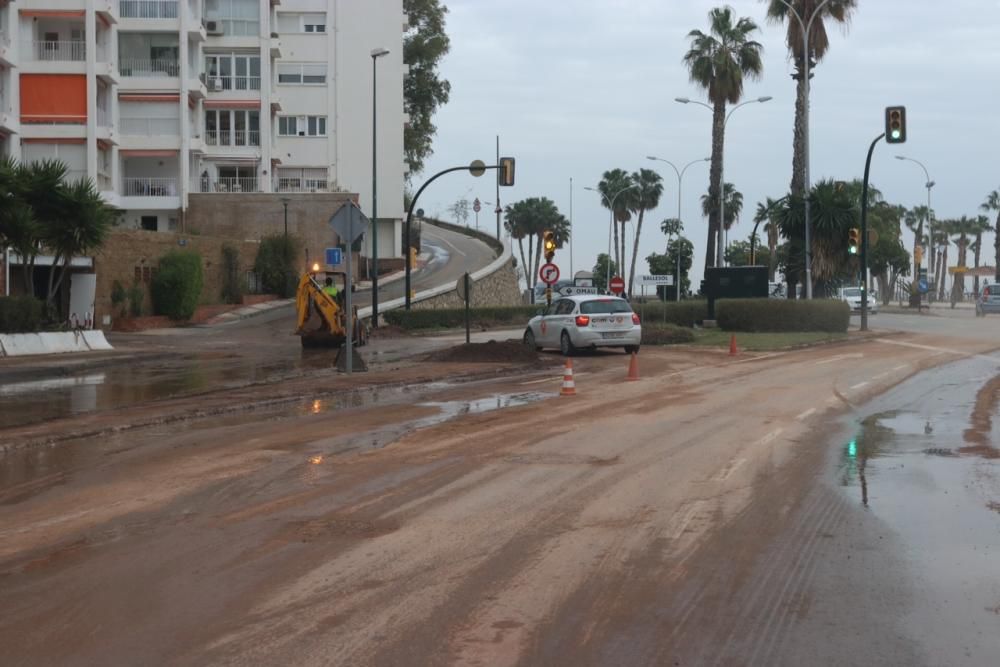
(500, 288)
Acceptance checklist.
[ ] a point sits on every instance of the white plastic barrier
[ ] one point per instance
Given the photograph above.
(95, 340)
(52, 342)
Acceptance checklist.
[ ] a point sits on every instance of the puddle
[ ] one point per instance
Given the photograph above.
(909, 466)
(452, 409)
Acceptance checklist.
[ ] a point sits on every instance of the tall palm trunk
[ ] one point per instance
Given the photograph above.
(975, 257)
(914, 294)
(772, 247)
(618, 262)
(635, 251)
(958, 284)
(532, 269)
(715, 182)
(798, 185)
(996, 246)
(538, 257)
(621, 267)
(524, 265)
(943, 267)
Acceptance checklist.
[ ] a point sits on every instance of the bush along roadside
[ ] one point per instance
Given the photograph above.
(20, 314)
(770, 315)
(682, 314)
(449, 318)
(665, 334)
(176, 286)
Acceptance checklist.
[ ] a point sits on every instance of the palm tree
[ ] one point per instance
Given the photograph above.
(614, 187)
(778, 12)
(914, 219)
(941, 239)
(646, 197)
(962, 227)
(992, 203)
(529, 219)
(718, 62)
(982, 226)
(765, 214)
(733, 206)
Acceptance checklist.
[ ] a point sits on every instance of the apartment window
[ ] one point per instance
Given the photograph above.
(238, 18)
(302, 126)
(148, 222)
(302, 23)
(232, 71)
(232, 127)
(306, 74)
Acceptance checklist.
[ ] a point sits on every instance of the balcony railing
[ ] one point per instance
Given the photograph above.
(218, 83)
(150, 68)
(234, 138)
(149, 187)
(150, 127)
(148, 9)
(300, 185)
(61, 50)
(227, 184)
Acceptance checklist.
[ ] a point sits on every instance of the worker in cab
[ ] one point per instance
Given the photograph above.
(330, 289)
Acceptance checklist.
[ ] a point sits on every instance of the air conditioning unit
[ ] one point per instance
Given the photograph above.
(215, 85)
(213, 28)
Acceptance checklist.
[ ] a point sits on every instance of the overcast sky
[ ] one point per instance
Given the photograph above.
(577, 87)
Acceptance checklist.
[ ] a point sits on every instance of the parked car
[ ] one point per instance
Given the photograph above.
(852, 295)
(989, 300)
(585, 322)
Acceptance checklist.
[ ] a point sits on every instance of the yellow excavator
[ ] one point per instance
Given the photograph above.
(310, 299)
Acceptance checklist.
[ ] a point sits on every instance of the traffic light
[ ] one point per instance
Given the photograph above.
(918, 254)
(853, 241)
(549, 245)
(895, 125)
(505, 174)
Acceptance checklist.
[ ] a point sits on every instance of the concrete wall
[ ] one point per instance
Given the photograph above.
(126, 250)
(497, 289)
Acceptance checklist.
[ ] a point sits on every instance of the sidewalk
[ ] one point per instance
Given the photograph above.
(247, 312)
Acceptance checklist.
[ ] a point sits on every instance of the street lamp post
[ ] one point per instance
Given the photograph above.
(376, 54)
(930, 232)
(719, 254)
(284, 204)
(806, 27)
(611, 205)
(680, 179)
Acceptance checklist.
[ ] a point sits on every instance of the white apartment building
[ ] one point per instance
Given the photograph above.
(159, 101)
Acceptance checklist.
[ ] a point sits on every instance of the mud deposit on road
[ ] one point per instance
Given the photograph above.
(508, 351)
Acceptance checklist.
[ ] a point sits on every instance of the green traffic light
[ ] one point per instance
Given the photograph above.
(896, 134)
(852, 250)
(852, 449)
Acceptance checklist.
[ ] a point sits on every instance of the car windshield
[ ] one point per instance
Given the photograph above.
(852, 291)
(605, 306)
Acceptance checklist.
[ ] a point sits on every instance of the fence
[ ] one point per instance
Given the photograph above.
(61, 50)
(148, 9)
(147, 67)
(149, 187)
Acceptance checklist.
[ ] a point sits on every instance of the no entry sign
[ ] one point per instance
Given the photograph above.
(617, 284)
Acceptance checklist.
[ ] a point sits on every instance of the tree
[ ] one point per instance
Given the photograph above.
(914, 220)
(963, 228)
(734, 205)
(738, 254)
(528, 219)
(460, 210)
(992, 203)
(671, 227)
(666, 264)
(718, 62)
(765, 214)
(887, 259)
(982, 226)
(603, 266)
(424, 45)
(646, 197)
(778, 12)
(614, 187)
(941, 240)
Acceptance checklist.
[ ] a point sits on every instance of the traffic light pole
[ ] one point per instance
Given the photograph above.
(864, 235)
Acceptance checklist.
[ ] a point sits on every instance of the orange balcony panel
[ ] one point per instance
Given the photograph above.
(53, 98)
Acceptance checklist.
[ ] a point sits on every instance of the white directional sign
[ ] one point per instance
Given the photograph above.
(650, 280)
(571, 290)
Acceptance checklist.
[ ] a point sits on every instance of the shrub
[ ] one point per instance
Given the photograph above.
(682, 314)
(176, 286)
(275, 264)
(136, 297)
(832, 315)
(232, 286)
(448, 318)
(666, 334)
(20, 314)
(119, 295)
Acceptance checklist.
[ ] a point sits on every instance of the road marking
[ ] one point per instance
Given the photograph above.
(881, 375)
(859, 385)
(553, 379)
(692, 510)
(730, 468)
(841, 357)
(769, 437)
(901, 367)
(806, 414)
(937, 350)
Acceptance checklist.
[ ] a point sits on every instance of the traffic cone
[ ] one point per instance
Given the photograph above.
(732, 345)
(568, 386)
(633, 367)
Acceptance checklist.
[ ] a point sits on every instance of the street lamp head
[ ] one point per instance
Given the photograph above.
(651, 157)
(930, 184)
(900, 157)
(587, 187)
(379, 52)
(682, 100)
(765, 98)
(706, 159)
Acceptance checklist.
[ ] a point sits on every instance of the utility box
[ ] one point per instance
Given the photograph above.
(734, 282)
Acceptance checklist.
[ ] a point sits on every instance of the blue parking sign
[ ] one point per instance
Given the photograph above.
(334, 256)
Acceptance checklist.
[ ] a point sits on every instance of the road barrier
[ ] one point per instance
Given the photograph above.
(52, 342)
(568, 386)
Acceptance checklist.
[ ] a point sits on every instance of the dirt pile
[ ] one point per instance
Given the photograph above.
(496, 352)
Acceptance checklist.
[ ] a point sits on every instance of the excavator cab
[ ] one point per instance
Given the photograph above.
(320, 316)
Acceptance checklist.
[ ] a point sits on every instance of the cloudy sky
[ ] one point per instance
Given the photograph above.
(576, 87)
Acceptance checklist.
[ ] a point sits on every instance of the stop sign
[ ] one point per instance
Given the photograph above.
(617, 284)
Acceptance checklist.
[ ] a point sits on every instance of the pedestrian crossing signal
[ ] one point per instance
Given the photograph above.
(853, 240)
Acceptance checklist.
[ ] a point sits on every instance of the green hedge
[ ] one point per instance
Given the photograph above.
(682, 314)
(832, 315)
(176, 286)
(448, 318)
(654, 333)
(20, 314)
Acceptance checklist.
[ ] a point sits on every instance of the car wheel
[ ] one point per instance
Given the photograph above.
(631, 349)
(566, 345)
(529, 340)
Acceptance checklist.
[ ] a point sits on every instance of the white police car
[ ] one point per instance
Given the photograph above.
(587, 321)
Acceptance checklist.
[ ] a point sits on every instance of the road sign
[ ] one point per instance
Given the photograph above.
(573, 290)
(922, 286)
(583, 279)
(617, 284)
(334, 256)
(477, 168)
(549, 273)
(477, 206)
(349, 223)
(651, 280)
(460, 288)
(957, 269)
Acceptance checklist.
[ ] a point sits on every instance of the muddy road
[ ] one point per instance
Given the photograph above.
(714, 512)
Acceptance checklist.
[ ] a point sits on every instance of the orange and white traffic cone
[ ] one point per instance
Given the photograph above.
(568, 386)
(732, 345)
(633, 368)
